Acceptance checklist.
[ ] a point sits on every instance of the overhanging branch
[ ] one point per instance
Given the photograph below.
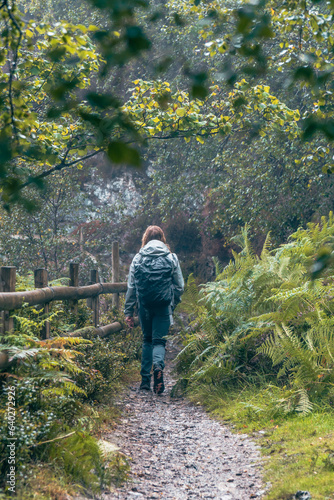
(57, 168)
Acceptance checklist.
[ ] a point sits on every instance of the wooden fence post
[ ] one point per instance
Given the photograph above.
(8, 282)
(115, 272)
(94, 278)
(74, 281)
(81, 241)
(41, 281)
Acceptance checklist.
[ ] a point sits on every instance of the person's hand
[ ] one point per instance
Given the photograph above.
(130, 321)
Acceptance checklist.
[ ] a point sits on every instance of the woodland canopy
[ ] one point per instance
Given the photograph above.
(215, 120)
(224, 110)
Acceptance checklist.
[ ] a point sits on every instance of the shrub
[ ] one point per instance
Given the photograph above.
(266, 317)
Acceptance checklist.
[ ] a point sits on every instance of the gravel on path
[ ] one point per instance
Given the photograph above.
(178, 452)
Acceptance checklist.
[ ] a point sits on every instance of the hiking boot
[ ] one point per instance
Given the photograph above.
(158, 386)
(145, 385)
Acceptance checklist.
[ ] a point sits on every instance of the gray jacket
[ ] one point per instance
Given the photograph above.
(154, 247)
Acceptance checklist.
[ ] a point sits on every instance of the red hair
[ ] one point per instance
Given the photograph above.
(153, 233)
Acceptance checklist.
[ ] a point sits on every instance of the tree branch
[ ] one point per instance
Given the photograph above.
(13, 67)
(52, 440)
(57, 168)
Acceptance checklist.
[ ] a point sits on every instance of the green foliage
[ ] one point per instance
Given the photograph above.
(39, 375)
(42, 239)
(120, 468)
(80, 456)
(63, 62)
(266, 42)
(264, 307)
(104, 362)
(261, 171)
(230, 155)
(56, 381)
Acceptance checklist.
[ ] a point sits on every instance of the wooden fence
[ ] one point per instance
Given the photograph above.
(43, 295)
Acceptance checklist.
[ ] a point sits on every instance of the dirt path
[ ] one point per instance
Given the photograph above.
(177, 452)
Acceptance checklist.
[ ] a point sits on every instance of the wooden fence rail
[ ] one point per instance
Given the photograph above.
(41, 296)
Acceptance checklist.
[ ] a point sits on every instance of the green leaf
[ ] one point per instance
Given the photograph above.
(199, 91)
(304, 73)
(119, 152)
(181, 112)
(102, 100)
(56, 54)
(136, 39)
(179, 21)
(54, 113)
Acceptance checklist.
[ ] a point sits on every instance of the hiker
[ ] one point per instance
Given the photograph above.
(155, 284)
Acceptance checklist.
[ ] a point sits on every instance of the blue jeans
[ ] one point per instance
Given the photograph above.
(155, 324)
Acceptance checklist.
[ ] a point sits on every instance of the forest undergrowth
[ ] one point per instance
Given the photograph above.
(63, 389)
(259, 351)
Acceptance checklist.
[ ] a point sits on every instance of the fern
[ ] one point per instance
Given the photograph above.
(266, 311)
(304, 404)
(190, 299)
(81, 457)
(265, 249)
(306, 359)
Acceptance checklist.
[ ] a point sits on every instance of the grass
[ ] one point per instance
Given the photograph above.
(302, 456)
(46, 483)
(298, 449)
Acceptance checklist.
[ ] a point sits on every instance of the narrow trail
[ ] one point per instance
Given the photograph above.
(177, 452)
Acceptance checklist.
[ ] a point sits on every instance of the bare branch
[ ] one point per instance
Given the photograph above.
(13, 67)
(52, 440)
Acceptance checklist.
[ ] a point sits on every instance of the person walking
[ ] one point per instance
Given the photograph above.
(155, 285)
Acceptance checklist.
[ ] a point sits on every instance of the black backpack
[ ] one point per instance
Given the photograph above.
(153, 280)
